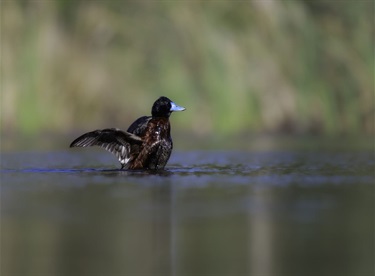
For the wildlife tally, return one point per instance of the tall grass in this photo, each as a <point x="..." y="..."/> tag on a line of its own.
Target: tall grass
<point x="238" y="66"/>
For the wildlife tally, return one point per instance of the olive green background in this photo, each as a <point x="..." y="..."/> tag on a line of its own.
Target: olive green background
<point x="239" y="67"/>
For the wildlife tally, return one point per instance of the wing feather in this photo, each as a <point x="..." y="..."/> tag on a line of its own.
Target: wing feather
<point x="138" y="127"/>
<point x="114" y="140"/>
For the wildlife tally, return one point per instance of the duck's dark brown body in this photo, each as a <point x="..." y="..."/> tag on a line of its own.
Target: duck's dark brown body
<point x="157" y="145"/>
<point x="147" y="144"/>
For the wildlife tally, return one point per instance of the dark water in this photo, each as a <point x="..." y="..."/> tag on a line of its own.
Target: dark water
<point x="210" y="213"/>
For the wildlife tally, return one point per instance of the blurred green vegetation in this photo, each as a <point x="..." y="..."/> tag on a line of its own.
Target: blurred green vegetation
<point x="299" y="67"/>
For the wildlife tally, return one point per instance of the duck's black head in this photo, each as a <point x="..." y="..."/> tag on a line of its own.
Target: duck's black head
<point x="163" y="107"/>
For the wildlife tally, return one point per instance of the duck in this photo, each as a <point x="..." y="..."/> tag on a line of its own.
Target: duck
<point x="146" y="145"/>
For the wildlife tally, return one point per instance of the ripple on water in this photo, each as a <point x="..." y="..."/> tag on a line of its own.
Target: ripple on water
<point x="199" y="168"/>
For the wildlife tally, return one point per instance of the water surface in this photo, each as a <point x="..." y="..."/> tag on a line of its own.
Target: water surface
<point x="209" y="213"/>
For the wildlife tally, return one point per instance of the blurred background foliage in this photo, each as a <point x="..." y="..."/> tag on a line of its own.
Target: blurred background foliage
<point x="239" y="67"/>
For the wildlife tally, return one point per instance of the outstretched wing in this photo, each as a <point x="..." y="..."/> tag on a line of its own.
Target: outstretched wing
<point x="114" y="140"/>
